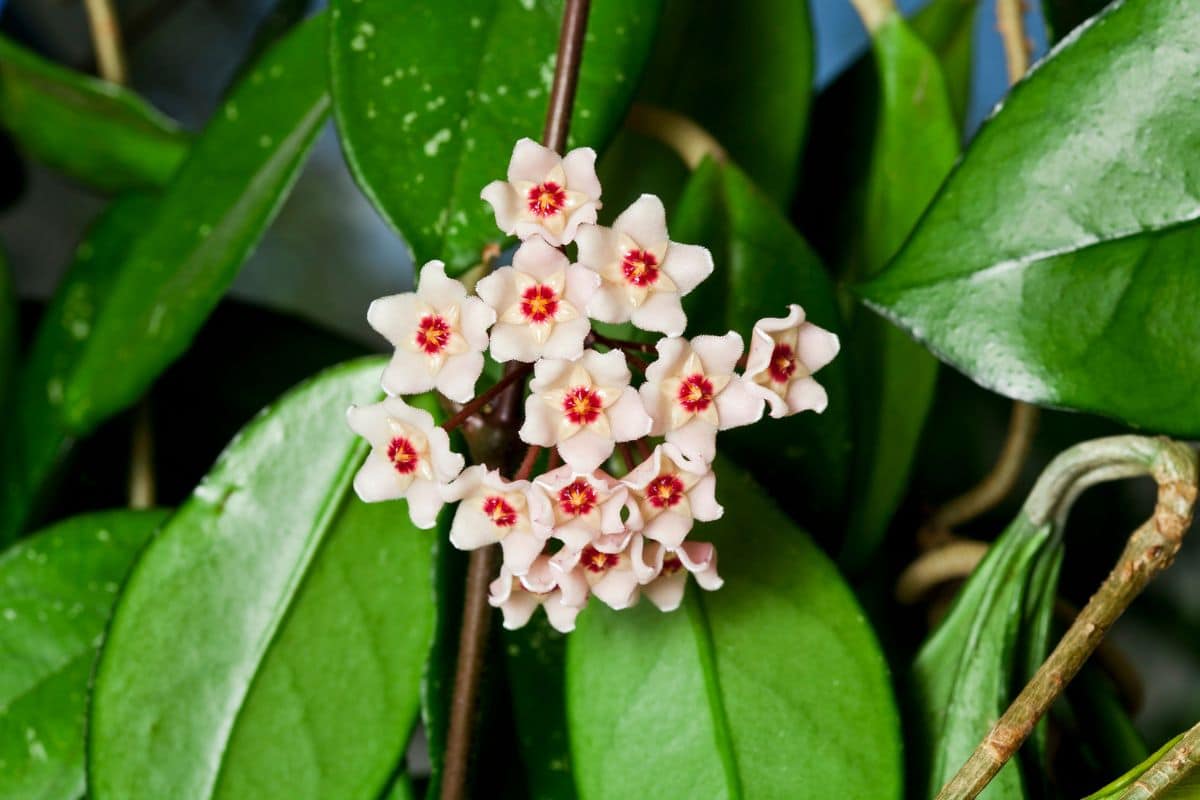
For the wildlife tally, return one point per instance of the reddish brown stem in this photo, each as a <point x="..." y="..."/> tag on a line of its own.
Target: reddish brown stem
<point x="643" y="448"/>
<point x="474" y="406"/>
<point x="622" y="344"/>
<point x="627" y="456"/>
<point x="527" y="463"/>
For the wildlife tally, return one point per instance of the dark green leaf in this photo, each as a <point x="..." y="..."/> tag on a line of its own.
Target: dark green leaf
<point x="270" y="641"/>
<point x="744" y="72"/>
<point x="1063" y="16"/>
<point x="762" y="264"/>
<point x="56" y="592"/>
<point x="1055" y="265"/>
<point x="102" y="134"/>
<point x="437" y="684"/>
<point x="536" y="664"/>
<point x="9" y="333"/>
<point x="948" y="28"/>
<point x="772" y="686"/>
<point x="431" y="97"/>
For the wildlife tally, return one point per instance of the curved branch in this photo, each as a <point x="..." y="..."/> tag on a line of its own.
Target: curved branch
<point x="689" y="141"/>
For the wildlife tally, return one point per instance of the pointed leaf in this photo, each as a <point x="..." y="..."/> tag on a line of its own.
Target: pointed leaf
<point x="56" y="591"/>
<point x="90" y="129"/>
<point x="772" y="686"/>
<point x="430" y="98"/>
<point x="1053" y="267"/>
<point x="270" y="641"/>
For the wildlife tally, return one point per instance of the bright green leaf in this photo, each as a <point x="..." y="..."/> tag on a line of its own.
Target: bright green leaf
<point x="100" y="133"/>
<point x="270" y="641"/>
<point x="56" y="592"/>
<point x="762" y="265"/>
<point x="772" y="686"/>
<point x="431" y="97"/>
<point x="1056" y="265"/>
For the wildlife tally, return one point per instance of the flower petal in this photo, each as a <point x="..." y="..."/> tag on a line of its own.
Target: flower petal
<point x="585" y="451"/>
<point x="505" y="203"/>
<point x="703" y="499"/>
<point x="540" y="427"/>
<point x="696" y="439"/>
<point x="719" y="354"/>
<point x="737" y="405"/>
<point x="817" y="346"/>
<point x="439" y="291"/>
<point x="610" y="304"/>
<point x="407" y="373"/>
<point x="458" y="376"/>
<point x="628" y="418"/>
<point x="580" y="167"/>
<point x="394" y="316"/>
<point x="476" y="317"/>
<point x="424" y="503"/>
<point x="566" y="341"/>
<point x="520" y="549"/>
<point x="560" y="614"/>
<point x="471" y="529"/>
<point x="670" y="527"/>
<point x="531" y="161"/>
<point x="645" y="221"/>
<point x="662" y="313"/>
<point x="618" y="589"/>
<point x="806" y="394"/>
<point x="607" y="369"/>
<point x="512" y="342"/>
<point x="688" y="265"/>
<point x="376" y="480"/>
<point x="666" y="592"/>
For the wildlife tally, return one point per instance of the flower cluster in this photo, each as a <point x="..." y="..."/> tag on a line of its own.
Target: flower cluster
<point x="584" y="526"/>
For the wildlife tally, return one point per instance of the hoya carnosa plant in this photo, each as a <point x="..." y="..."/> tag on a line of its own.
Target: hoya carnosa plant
<point x="626" y="444"/>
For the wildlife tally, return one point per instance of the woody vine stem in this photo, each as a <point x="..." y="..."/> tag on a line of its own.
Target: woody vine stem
<point x="472" y="645"/>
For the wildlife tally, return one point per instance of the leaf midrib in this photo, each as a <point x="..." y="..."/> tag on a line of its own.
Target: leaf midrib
<point x="697" y="614"/>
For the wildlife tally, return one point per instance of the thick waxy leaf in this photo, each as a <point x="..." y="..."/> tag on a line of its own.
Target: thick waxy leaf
<point x="762" y="265"/>
<point x="915" y="143"/>
<point x="772" y="686"/>
<point x="963" y="676"/>
<point x="56" y="592"/>
<point x="744" y="72"/>
<point x="1053" y="267"/>
<point x="948" y="28"/>
<point x="536" y="670"/>
<point x="151" y="272"/>
<point x="90" y="129"/>
<point x="270" y="641"/>
<point x="426" y="126"/>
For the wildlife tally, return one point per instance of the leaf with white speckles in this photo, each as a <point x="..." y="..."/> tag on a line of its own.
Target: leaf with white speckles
<point x="426" y="126"/>
<point x="56" y="592"/>
<point x="270" y="641"/>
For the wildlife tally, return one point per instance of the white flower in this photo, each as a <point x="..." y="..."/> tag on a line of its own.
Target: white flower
<point x="539" y="303"/>
<point x="691" y="393"/>
<point x="439" y="334"/>
<point x="546" y="194"/>
<point x="495" y="510"/>
<point x="583" y="407"/>
<point x="562" y="594"/>
<point x="668" y="493"/>
<point x="609" y="573"/>
<point x="663" y="572"/>
<point x="410" y="457"/>
<point x="784" y="353"/>
<point x="582" y="507"/>
<point x="644" y="274"/>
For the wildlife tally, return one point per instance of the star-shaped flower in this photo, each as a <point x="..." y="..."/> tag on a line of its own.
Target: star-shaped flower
<point x="663" y="572"/>
<point x="562" y="594"/>
<point x="583" y="407"/>
<point x="784" y="353"/>
<point x="539" y="302"/>
<point x="668" y="493"/>
<point x="439" y="333"/>
<point x="643" y="273"/>
<point x="582" y="506"/>
<point x="609" y="573"/>
<point x="410" y="457"/>
<point x="545" y="194"/>
<point x="692" y="392"/>
<point x="492" y="510"/>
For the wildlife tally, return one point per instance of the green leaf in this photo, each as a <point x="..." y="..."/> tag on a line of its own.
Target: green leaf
<point x="92" y="130"/>
<point x="437" y="684"/>
<point x="915" y="144"/>
<point x="744" y="72"/>
<point x="56" y="591"/>
<point x="948" y="28"/>
<point x="1186" y="789"/>
<point x="270" y="641"/>
<point x="762" y="265"/>
<point x="962" y="679"/>
<point x="1053" y="267"/>
<point x="431" y="97"/>
<point x="150" y="272"/>
<point x="1063" y="16"/>
<point x="9" y="331"/>
<point x="536" y="657"/>
<point x="773" y="686"/>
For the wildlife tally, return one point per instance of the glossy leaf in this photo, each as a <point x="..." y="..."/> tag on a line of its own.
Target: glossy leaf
<point x="1053" y="267"/>
<point x="762" y="264"/>
<point x="151" y="272"/>
<point x="744" y="72"/>
<point x="437" y="684"/>
<point x="772" y="686"/>
<point x="948" y="28"/>
<point x="962" y="679"/>
<point x="915" y="144"/>
<point x="100" y="133"/>
<point x="288" y="659"/>
<point x="56" y="592"/>
<point x="536" y="656"/>
<point x="426" y="126"/>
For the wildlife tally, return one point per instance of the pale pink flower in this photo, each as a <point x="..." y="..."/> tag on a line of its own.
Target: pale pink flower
<point x="784" y="353"/>
<point x="609" y="572"/>
<point x="643" y="273"/>
<point x="439" y="333"/>
<point x="663" y="572"/>
<point x="582" y="506"/>
<point x="410" y="457"/>
<point x="692" y="392"/>
<point x="492" y="509"/>
<point x="545" y="194"/>
<point x="583" y="407"/>
<point x="562" y="594"/>
<point x="539" y="303"/>
<point x="668" y="493"/>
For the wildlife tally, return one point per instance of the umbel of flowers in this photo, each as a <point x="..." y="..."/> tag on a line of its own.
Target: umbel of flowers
<point x="592" y="524"/>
